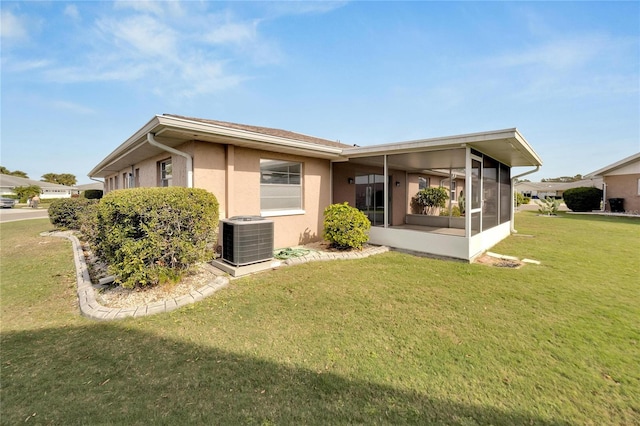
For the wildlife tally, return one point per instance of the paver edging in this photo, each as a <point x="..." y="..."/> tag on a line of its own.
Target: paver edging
<point x="91" y="308"/>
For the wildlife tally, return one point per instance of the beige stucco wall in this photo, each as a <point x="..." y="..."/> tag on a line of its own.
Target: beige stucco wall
<point x="434" y="182"/>
<point x="290" y="230"/>
<point x="232" y="174"/>
<point x="344" y="191"/>
<point x="624" y="186"/>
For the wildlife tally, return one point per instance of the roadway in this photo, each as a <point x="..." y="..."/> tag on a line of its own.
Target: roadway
<point x="22" y="213"/>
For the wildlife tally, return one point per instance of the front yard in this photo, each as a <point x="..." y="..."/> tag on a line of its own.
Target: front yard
<point x="388" y="339"/>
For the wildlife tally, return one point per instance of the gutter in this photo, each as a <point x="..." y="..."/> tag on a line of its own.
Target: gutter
<point x="152" y="141"/>
<point x="513" y="198"/>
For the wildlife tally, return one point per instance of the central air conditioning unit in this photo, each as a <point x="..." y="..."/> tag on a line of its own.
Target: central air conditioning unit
<point x="246" y="240"/>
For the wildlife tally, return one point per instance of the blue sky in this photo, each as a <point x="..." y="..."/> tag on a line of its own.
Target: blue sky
<point x="78" y="78"/>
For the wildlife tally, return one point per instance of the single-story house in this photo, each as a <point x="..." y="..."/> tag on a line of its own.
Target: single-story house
<point x="543" y="190"/>
<point x="291" y="178"/>
<point x="96" y="186"/>
<point x="48" y="190"/>
<point x="621" y="181"/>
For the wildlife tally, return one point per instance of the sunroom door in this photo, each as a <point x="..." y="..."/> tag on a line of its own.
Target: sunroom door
<point x="475" y="201"/>
<point x="370" y="197"/>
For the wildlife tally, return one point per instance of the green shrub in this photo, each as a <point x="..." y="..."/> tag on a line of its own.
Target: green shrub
<point x="93" y="194"/>
<point x="526" y="200"/>
<point x="519" y="199"/>
<point x="68" y="213"/>
<point x="345" y="226"/>
<point x="430" y="199"/>
<point x="149" y="236"/>
<point x="455" y="212"/>
<point x="583" y="199"/>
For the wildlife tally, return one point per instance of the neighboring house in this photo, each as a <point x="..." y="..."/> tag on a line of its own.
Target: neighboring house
<point x="621" y="181"/>
<point x="49" y="190"/>
<point x="543" y="190"/>
<point x="291" y="178"/>
<point x="87" y="186"/>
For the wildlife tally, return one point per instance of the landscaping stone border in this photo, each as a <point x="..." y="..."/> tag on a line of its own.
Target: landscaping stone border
<point x="90" y="308"/>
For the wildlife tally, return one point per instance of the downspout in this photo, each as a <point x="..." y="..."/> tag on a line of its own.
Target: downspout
<point x="154" y="142"/>
<point x="513" y="196"/>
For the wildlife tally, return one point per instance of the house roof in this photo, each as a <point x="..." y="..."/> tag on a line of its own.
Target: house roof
<point x="265" y="131"/>
<point x="507" y="146"/>
<point x="8" y="181"/>
<point x="173" y="130"/>
<point x="617" y="165"/>
<point x="88" y="186"/>
<point x="558" y="186"/>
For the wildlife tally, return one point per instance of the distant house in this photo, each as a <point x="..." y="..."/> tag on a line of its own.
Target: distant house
<point x="87" y="186"/>
<point x="291" y="178"/>
<point x="621" y="182"/>
<point x="49" y="190"/>
<point x="543" y="190"/>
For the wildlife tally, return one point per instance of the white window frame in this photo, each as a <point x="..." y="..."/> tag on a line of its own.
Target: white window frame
<point x="293" y="180"/>
<point x="163" y="176"/>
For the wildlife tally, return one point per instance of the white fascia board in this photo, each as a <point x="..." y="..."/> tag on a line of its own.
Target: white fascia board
<point x="616" y="165"/>
<point x="246" y="135"/>
<point x="434" y="143"/>
<point x="536" y="160"/>
<point x="516" y="140"/>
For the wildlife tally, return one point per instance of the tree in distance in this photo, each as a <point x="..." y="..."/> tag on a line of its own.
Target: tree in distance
<point x="60" y="178"/>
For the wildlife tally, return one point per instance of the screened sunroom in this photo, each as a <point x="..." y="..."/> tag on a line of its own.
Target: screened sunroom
<point x="474" y="170"/>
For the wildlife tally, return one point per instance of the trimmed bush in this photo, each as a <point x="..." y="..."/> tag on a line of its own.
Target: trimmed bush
<point x="345" y="227"/>
<point x="455" y="212"/>
<point x="583" y="199"/>
<point x="93" y="194"/>
<point x="150" y="236"/>
<point x="68" y="213"/>
<point x="429" y="200"/>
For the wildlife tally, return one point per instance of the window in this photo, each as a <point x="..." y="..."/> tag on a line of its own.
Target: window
<point x="166" y="172"/>
<point x="638" y="186"/>
<point x="136" y="179"/>
<point x="423" y="182"/>
<point x="280" y="185"/>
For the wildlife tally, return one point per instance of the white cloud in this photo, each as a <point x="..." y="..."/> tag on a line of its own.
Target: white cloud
<point x="147" y="35"/>
<point x="11" y="64"/>
<point x="282" y="8"/>
<point x="71" y="10"/>
<point x="560" y="55"/>
<point x="72" y="107"/>
<point x="13" y="27"/>
<point x="168" y="48"/>
<point x="232" y="32"/>
<point x="146" y="6"/>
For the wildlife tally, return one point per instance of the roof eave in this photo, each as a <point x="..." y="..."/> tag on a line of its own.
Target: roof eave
<point x="611" y="167"/>
<point x="194" y="130"/>
<point x="474" y="140"/>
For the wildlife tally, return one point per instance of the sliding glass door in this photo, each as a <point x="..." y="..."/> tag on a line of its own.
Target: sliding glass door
<point x="370" y="197"/>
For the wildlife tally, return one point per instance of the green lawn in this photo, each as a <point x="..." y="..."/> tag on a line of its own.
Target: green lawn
<point x="390" y="339"/>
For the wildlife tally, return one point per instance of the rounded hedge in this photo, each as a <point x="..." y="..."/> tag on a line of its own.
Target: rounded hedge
<point x="149" y="236"/>
<point x="345" y="227"/>
<point x="68" y="213"/>
<point x="583" y="199"/>
<point x="93" y="194"/>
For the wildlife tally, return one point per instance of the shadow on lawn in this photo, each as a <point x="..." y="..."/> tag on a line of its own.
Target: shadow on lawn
<point x="106" y="373"/>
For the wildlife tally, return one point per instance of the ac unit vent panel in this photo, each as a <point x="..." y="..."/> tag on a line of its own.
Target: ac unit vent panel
<point x="246" y="240"/>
